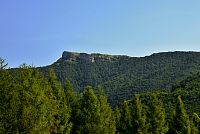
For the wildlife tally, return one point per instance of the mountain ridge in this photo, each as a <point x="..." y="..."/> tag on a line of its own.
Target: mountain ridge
<point x="73" y="56"/>
<point x="123" y="76"/>
<point x="92" y="57"/>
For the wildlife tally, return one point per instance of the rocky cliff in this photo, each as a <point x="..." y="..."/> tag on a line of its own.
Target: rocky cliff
<point x="73" y="56"/>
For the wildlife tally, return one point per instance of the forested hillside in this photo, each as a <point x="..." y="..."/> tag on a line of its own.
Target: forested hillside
<point x="188" y="89"/>
<point x="32" y="103"/>
<point x="123" y="76"/>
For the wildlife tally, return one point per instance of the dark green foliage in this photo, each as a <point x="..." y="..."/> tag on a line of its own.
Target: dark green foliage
<point x="30" y="103"/>
<point x="33" y="104"/>
<point x="195" y="124"/>
<point x="62" y="110"/>
<point x="117" y="115"/>
<point x="189" y="89"/>
<point x="25" y="107"/>
<point x="71" y="102"/>
<point x="122" y="76"/>
<point x="8" y="103"/>
<point x="93" y="114"/>
<point x="70" y="95"/>
<point x="180" y="122"/>
<point x="156" y="116"/>
<point x="125" y="119"/>
<point x="106" y="119"/>
<point x="88" y="113"/>
<point x="139" y="123"/>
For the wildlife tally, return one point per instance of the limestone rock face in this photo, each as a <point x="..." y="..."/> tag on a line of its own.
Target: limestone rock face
<point x="72" y="56"/>
<point x="94" y="57"/>
<point x="69" y="56"/>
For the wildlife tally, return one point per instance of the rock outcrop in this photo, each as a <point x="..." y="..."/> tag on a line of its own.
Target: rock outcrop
<point x="94" y="57"/>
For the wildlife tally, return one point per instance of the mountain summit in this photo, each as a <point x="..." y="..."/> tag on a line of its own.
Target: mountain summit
<point x="74" y="56"/>
<point x="122" y="76"/>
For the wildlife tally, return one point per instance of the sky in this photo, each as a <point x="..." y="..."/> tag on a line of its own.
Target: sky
<point x="38" y="31"/>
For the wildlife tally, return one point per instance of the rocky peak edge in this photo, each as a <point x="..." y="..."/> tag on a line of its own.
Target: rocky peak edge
<point x="74" y="56"/>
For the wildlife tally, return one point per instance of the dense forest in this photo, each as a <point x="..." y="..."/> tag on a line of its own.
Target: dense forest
<point x="122" y="76"/>
<point x="31" y="102"/>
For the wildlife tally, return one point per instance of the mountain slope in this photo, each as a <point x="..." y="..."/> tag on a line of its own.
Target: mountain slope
<point x="188" y="89"/>
<point x="122" y="76"/>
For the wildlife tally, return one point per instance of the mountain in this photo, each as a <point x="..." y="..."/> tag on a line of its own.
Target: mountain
<point x="123" y="76"/>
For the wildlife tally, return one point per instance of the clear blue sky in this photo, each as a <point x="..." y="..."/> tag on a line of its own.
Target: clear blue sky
<point x="38" y="31"/>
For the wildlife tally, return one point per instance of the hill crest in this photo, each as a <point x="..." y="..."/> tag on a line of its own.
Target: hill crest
<point x="96" y="57"/>
<point x="75" y="56"/>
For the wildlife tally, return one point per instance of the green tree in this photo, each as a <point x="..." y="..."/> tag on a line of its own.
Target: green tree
<point x="62" y="111"/>
<point x="70" y="95"/>
<point x="71" y="102"/>
<point x="29" y="105"/>
<point x="117" y="119"/>
<point x="9" y="103"/>
<point x="180" y="122"/>
<point x="156" y="116"/>
<point x="138" y="117"/>
<point x="88" y="112"/>
<point x="33" y="104"/>
<point x="195" y="124"/>
<point x="125" y="120"/>
<point x="106" y="119"/>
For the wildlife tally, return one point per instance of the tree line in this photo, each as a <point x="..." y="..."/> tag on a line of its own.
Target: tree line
<point x="31" y="103"/>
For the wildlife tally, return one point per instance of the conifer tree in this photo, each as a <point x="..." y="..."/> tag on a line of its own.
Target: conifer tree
<point x="88" y="112"/>
<point x="125" y="120"/>
<point x="138" y="117"/>
<point x="156" y="116"/>
<point x="71" y="102"/>
<point x="62" y="111"/>
<point x="180" y="122"/>
<point x="117" y="119"/>
<point x="70" y="95"/>
<point x="8" y="103"/>
<point x="33" y="104"/>
<point x="106" y="119"/>
<point x="195" y="124"/>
